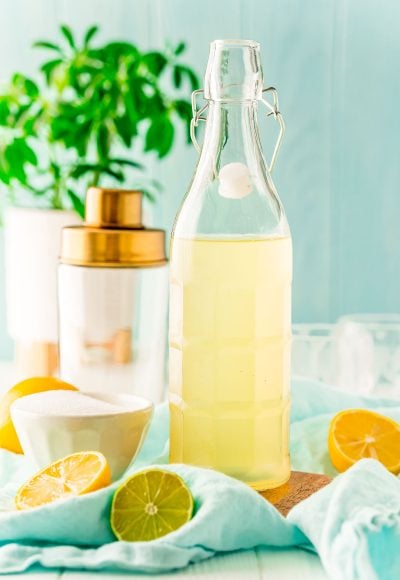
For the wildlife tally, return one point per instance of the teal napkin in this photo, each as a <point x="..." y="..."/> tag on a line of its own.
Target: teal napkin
<point x="354" y="523"/>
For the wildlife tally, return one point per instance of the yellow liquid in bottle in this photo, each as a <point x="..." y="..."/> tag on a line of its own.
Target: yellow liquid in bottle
<point x="230" y="330"/>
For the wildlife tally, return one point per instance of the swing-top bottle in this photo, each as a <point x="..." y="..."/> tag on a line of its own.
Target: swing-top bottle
<point x="231" y="272"/>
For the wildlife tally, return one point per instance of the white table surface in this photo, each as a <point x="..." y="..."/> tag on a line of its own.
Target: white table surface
<point x="257" y="564"/>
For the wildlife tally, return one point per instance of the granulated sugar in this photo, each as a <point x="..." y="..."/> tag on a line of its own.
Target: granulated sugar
<point x="71" y="403"/>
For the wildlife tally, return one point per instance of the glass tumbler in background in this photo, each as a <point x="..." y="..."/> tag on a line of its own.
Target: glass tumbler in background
<point x="314" y="352"/>
<point x="368" y="354"/>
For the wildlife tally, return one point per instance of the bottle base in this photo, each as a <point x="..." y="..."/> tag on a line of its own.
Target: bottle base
<point x="269" y="484"/>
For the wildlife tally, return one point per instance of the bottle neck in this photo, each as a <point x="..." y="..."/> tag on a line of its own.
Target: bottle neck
<point x="231" y="193"/>
<point x="232" y="136"/>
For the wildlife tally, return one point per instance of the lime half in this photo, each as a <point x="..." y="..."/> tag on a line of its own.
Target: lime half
<point x="150" y="504"/>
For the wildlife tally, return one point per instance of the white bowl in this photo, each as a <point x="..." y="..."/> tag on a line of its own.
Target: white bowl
<point x="46" y="436"/>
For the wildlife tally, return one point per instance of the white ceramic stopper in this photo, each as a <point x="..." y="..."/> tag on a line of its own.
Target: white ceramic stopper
<point x="234" y="181"/>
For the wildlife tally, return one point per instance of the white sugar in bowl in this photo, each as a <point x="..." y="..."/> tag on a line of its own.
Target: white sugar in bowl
<point x="53" y="424"/>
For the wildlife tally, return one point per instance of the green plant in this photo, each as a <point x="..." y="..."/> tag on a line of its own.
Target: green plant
<point x="75" y="125"/>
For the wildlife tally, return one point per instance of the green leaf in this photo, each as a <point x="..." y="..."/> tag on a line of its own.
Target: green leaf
<point x="118" y="175"/>
<point x="184" y="111"/>
<point x="37" y="192"/>
<point x="77" y="203"/>
<point x="122" y="125"/>
<point x="29" y="154"/>
<point x="156" y="184"/>
<point x="180" y="48"/>
<point x="148" y="194"/>
<point x="67" y="32"/>
<point x="48" y="45"/>
<point x="155" y="62"/>
<point x="4" y="170"/>
<point x="134" y="99"/>
<point x="70" y="132"/>
<point x="191" y="76"/>
<point x="156" y="106"/>
<point x="13" y="155"/>
<point x="90" y="33"/>
<point x="48" y="68"/>
<point x="17" y="80"/>
<point x="120" y="48"/>
<point x="177" y="73"/>
<point x="25" y="85"/>
<point x="103" y="142"/>
<point x="129" y="162"/>
<point x="4" y="177"/>
<point x="20" y="112"/>
<point x="29" y="127"/>
<point x="160" y="136"/>
<point x="56" y="169"/>
<point x="31" y="88"/>
<point x="183" y="108"/>
<point x="4" y="111"/>
<point x="62" y="125"/>
<point x="81" y="139"/>
<point x="85" y="168"/>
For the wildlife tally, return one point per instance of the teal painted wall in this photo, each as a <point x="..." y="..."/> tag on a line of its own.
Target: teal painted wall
<point x="335" y="63"/>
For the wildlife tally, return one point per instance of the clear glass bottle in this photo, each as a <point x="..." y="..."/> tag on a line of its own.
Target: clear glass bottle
<point x="113" y="298"/>
<point x="230" y="285"/>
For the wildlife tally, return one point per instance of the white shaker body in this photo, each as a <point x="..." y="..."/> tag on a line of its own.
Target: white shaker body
<point x="113" y="329"/>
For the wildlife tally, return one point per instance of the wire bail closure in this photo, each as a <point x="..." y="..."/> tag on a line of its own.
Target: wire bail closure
<point x="198" y="116"/>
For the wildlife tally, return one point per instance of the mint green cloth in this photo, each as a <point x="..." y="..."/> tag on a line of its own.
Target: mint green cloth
<point x="353" y="523"/>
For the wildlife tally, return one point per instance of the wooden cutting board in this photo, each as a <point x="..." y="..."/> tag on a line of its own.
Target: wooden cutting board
<point x="300" y="486"/>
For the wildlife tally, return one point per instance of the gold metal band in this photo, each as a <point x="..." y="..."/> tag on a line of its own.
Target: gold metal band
<point x="84" y="246"/>
<point x="113" y="235"/>
<point x="113" y="208"/>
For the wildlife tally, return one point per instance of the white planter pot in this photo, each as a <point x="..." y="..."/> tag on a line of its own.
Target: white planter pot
<point x="32" y="245"/>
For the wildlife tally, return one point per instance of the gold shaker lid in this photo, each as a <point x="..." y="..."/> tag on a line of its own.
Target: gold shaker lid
<point x="113" y="235"/>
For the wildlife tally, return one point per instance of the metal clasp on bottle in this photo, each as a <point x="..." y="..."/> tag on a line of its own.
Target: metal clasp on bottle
<point x="197" y="116"/>
<point x="273" y="108"/>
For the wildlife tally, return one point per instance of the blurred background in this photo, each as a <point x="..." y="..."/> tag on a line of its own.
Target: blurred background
<point x="334" y="63"/>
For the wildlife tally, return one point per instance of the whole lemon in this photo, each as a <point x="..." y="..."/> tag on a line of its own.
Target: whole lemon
<point x="8" y="436"/>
